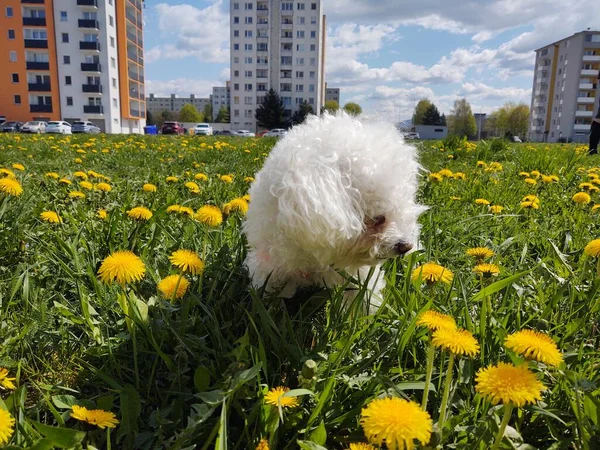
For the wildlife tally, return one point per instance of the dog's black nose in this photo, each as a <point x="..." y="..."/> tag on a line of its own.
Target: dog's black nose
<point x="402" y="247"/>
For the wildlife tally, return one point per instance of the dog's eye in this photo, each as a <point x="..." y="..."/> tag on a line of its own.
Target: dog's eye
<point x="378" y="221"/>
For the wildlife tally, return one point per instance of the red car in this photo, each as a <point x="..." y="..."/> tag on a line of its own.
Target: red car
<point x="172" y="128"/>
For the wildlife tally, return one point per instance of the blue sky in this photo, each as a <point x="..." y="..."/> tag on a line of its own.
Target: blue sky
<point x="383" y="54"/>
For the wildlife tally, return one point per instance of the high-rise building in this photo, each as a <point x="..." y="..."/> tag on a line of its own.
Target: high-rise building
<point x="221" y="96"/>
<point x="174" y="104"/>
<point x="275" y="44"/>
<point x="73" y="60"/>
<point x="566" y="90"/>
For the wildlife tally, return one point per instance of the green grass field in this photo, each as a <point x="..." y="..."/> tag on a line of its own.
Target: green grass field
<point x="195" y="371"/>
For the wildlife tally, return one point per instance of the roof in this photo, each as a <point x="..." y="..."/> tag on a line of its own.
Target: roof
<point x="568" y="37"/>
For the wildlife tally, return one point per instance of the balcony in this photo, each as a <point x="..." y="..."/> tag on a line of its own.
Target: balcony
<point x="538" y="115"/>
<point x="93" y="109"/>
<point x="39" y="87"/>
<point x="88" y="3"/>
<point x="84" y="45"/>
<point x="584" y="113"/>
<point x="36" y="43"/>
<point x="90" y="67"/>
<point x="40" y="108"/>
<point x="587" y="72"/>
<point x="585" y="100"/>
<point x="35" y="2"/>
<point x="34" y="65"/>
<point x="586" y="86"/>
<point x="34" y="21"/>
<point x="591" y="58"/>
<point x="88" y="23"/>
<point x="582" y="127"/>
<point x="537" y="128"/>
<point x="97" y="88"/>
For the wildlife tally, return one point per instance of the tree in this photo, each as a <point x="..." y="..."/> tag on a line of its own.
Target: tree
<point x="208" y="112"/>
<point x="149" y="118"/>
<point x="189" y="113"/>
<point x="420" y="109"/>
<point x="222" y="115"/>
<point x="462" y="122"/>
<point x="509" y="120"/>
<point x="432" y="116"/>
<point x="353" y="109"/>
<point x="302" y="113"/>
<point x="331" y="106"/>
<point x="165" y="116"/>
<point x="270" y="113"/>
<point x="443" y="120"/>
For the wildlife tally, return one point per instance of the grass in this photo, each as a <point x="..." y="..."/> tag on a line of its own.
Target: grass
<point x="193" y="373"/>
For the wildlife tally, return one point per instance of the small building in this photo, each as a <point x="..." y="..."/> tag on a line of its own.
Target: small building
<point x="432" y="131"/>
<point x="332" y="94"/>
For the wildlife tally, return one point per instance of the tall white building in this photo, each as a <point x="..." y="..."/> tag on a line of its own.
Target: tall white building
<point x="275" y="44"/>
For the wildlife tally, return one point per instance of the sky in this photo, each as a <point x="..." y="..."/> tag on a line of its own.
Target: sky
<point x="383" y="54"/>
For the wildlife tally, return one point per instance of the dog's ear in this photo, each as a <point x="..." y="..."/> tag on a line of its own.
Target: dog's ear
<point x="317" y="205"/>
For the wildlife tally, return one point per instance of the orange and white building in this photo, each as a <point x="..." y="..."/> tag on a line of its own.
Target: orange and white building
<point x="73" y="60"/>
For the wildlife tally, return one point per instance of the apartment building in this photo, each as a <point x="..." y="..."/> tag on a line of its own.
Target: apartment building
<point x="332" y="94"/>
<point x="566" y="90"/>
<point x="73" y="60"/>
<point x="174" y="104"/>
<point x="275" y="44"/>
<point x="221" y="96"/>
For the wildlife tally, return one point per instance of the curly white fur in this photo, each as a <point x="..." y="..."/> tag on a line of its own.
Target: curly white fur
<point x="334" y="194"/>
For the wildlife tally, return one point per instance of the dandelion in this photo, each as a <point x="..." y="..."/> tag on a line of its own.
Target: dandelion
<point x="226" y="178"/>
<point x="530" y="181"/>
<point x="395" y="422"/>
<point x="535" y="173"/>
<point x="5" y="381"/>
<point x="432" y="273"/>
<point x="7" y="426"/>
<point x="482" y="201"/>
<point x="171" y="179"/>
<point x="481" y="164"/>
<point x="102" y="213"/>
<point x="435" y="177"/>
<point x="534" y="345"/>
<point x="86" y="185"/>
<point x="139" y="213"/>
<point x="64" y="181"/>
<point x="99" y="417"/>
<point x="201" y="177"/>
<point x="104" y="187"/>
<point x="592" y="248"/>
<point x="276" y="397"/>
<point x="10" y="186"/>
<point x="249" y="179"/>
<point x="174" y="208"/>
<point x="486" y="270"/>
<point x="187" y="261"/>
<point x="149" y="187"/>
<point x="480" y="253"/>
<point x="7" y="172"/>
<point x="554" y="178"/>
<point x="530" y="202"/>
<point x="459" y="176"/>
<point x="173" y="286"/>
<point x="361" y="446"/>
<point x="595" y="207"/>
<point x="456" y="341"/>
<point x="76" y="194"/>
<point x="496" y="209"/>
<point x="524" y="174"/>
<point x="262" y="445"/>
<point x="53" y="175"/>
<point x="435" y="320"/>
<point x="209" y="215"/>
<point x="455" y="198"/>
<point x="192" y="187"/>
<point x="122" y="266"/>
<point x="582" y="198"/>
<point x="237" y="204"/>
<point x="18" y="166"/>
<point x="81" y="175"/>
<point x="586" y="186"/>
<point x="50" y="217"/>
<point x="446" y="173"/>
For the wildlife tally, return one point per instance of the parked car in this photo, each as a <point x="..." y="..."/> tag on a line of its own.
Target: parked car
<point x="276" y="132"/>
<point x="85" y="127"/>
<point x="411" y="136"/>
<point x="172" y="128"/>
<point x="34" y="127"/>
<point x="59" y="127"/>
<point x="11" y="127"/>
<point x="222" y="133"/>
<point x="203" y="129"/>
<point x="243" y="133"/>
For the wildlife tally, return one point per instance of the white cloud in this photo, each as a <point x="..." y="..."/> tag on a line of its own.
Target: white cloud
<point x="181" y="86"/>
<point x="477" y="92"/>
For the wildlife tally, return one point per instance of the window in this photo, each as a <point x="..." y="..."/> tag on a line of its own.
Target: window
<point x="13" y="56"/>
<point x="262" y="47"/>
<point x="63" y="16"/>
<point x="312" y="74"/>
<point x="247" y="100"/>
<point x="287" y="6"/>
<point x="236" y="20"/>
<point x="17" y="99"/>
<point x="311" y="88"/>
<point x="236" y="100"/>
<point x="112" y="42"/>
<point x="300" y="34"/>
<point x="592" y="38"/>
<point x="236" y="112"/>
<point x="299" y="47"/>
<point x="65" y="37"/>
<point x="68" y="80"/>
<point x="236" y="73"/>
<point x="15" y="77"/>
<point x="313" y="47"/>
<point x="9" y="13"/>
<point x="299" y="88"/>
<point x="236" y="6"/>
<point x="300" y="21"/>
<point x="313" y="61"/>
<point x="236" y="33"/>
<point x="248" y="47"/>
<point x="113" y="63"/>
<point x="299" y="74"/>
<point x="313" y="6"/>
<point x="236" y="59"/>
<point x="66" y="59"/>
<point x="11" y="34"/>
<point x="236" y="87"/>
<point x="262" y="60"/>
<point x="311" y="101"/>
<point x="299" y="61"/>
<point x="236" y="47"/>
<point x="248" y="33"/>
<point x="248" y="6"/>
<point x="248" y="73"/>
<point x="248" y="87"/>
<point x="115" y="103"/>
<point x="111" y="21"/>
<point x="248" y="60"/>
<point x="313" y="20"/>
<point x="69" y="101"/>
<point x="248" y="20"/>
<point x="313" y="34"/>
<point x="300" y="6"/>
<point x="248" y="113"/>
<point x="36" y="33"/>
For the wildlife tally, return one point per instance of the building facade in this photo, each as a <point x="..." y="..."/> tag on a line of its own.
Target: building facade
<point x="566" y="90"/>
<point x="221" y="96"/>
<point x="156" y="105"/>
<point x="275" y="44"/>
<point x="73" y="60"/>
<point x="332" y="94"/>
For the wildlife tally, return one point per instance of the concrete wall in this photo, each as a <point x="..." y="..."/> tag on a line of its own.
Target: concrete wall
<point x="431" y="131"/>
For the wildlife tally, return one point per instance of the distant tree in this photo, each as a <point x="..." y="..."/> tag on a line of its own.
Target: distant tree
<point x="462" y="122"/>
<point x="443" y="120"/>
<point x="509" y="120"/>
<point x="331" y="106"/>
<point x="352" y="108"/>
<point x="302" y="113"/>
<point x="270" y="113"/>
<point x="149" y="118"/>
<point x="432" y="116"/>
<point x="222" y="115"/>
<point x="208" y="112"/>
<point x="420" y="109"/>
<point x="189" y="113"/>
<point x="165" y="116"/>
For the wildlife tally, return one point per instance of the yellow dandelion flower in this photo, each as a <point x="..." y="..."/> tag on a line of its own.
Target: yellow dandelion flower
<point x="535" y="173"/>
<point x="104" y="187"/>
<point x="586" y="186"/>
<point x="193" y="187"/>
<point x="554" y="178"/>
<point x="249" y="179"/>
<point x="276" y="397"/>
<point x="435" y="320"/>
<point x="81" y="175"/>
<point x="595" y="207"/>
<point x="482" y="201"/>
<point x="99" y="417"/>
<point x="64" y="181"/>
<point x="530" y="181"/>
<point x="263" y="445"/>
<point x="86" y="185"/>
<point x="7" y="172"/>
<point x="524" y="174"/>
<point x="534" y="345"/>
<point x="50" y="216"/>
<point x="486" y="270"/>
<point x="102" y="213"/>
<point x="172" y="179"/>
<point x="481" y="164"/>
<point x="7" y="426"/>
<point x="457" y="341"/>
<point x="173" y="286"/>
<point x="446" y="173"/>
<point x="122" y="266"/>
<point x="237" y="204"/>
<point x="361" y="446"/>
<point x="76" y="194"/>
<point x="480" y="253"/>
<point x="18" y="166"/>
<point x="5" y="381"/>
<point x="459" y="175"/>
<point x="246" y="197"/>
<point x="187" y="261"/>
<point x="78" y="160"/>
<point x="454" y="198"/>
<point x="226" y="178"/>
<point x="509" y="384"/>
<point x="149" y="187"/>
<point x="395" y="422"/>
<point x="201" y="177"/>
<point x="583" y="198"/>
<point x="435" y="177"/>
<point x="53" y="175"/>
<point x="209" y="215"/>
<point x="10" y="186"/>
<point x="496" y="209"/>
<point x="139" y="213"/>
<point x="432" y="273"/>
<point x="592" y="248"/>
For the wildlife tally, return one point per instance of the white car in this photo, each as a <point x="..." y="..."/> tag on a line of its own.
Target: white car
<point x="203" y="129"/>
<point x="243" y="133"/>
<point x="34" y="127"/>
<point x="411" y="136"/>
<point x="59" y="127"/>
<point x="276" y="132"/>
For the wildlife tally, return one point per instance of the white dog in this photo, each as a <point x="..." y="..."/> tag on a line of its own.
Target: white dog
<point x="334" y="194"/>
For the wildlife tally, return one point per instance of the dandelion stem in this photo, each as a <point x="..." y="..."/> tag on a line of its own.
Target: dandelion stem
<point x="507" y="412"/>
<point x="446" y="394"/>
<point x="430" y="357"/>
